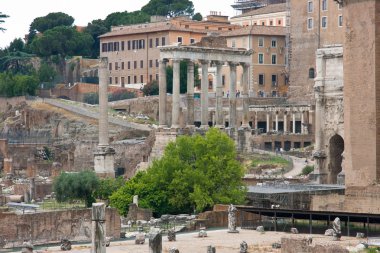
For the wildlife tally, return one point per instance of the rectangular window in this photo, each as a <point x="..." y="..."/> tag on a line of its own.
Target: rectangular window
<point x="310" y="23"/>
<point x="179" y="39"/>
<point x="274" y="59"/>
<point x="116" y="46"/>
<point x="340" y="20"/>
<point x="157" y="77"/>
<point x="129" y="65"/>
<point x="134" y="79"/>
<point x="157" y="42"/>
<point x="122" y="81"/>
<point x="150" y="43"/>
<point x="271" y="22"/>
<point x="129" y="45"/>
<point x="141" y="79"/>
<point x="263" y="23"/>
<point x="261" y="58"/>
<point x="233" y="43"/>
<point x="150" y="63"/>
<point x="133" y="44"/>
<point x="274" y="80"/>
<point x="129" y="79"/>
<point x="150" y="78"/>
<point x="274" y="42"/>
<point x="110" y="80"/>
<point x="192" y="41"/>
<point x="110" y="66"/>
<point x="324" y="5"/>
<point x="141" y="44"/>
<point x="310" y="6"/>
<point x="324" y="22"/>
<point x="261" y="42"/>
<point x="116" y="65"/>
<point x="279" y="22"/>
<point x="122" y="46"/>
<point x="135" y="64"/>
<point x="163" y="41"/>
<point x="223" y="80"/>
<point x="122" y="65"/>
<point x="261" y="79"/>
<point x="110" y="46"/>
<point x="104" y="47"/>
<point x="156" y="63"/>
<point x="116" y="80"/>
<point x="141" y="64"/>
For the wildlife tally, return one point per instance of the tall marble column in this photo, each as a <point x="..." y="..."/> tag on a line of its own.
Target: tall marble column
<point x="204" y="95"/>
<point x="162" y="93"/>
<point x="245" y="79"/>
<point x="232" y="100"/>
<point x="190" y="94"/>
<point x="176" y="96"/>
<point x="302" y="123"/>
<point x="285" y="123"/>
<point x="104" y="155"/>
<point x="219" y="96"/>
<point x="256" y="120"/>
<point x="268" y="125"/>
<point x="294" y="122"/>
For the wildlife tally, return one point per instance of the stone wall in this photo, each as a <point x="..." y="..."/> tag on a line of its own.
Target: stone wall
<point x="5" y="103"/>
<point x="47" y="227"/>
<point x="41" y="189"/>
<point x="136" y="213"/>
<point x="298" y="245"/>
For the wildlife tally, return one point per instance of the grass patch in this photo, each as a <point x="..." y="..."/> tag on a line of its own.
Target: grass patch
<point x="265" y="160"/>
<point x="307" y="170"/>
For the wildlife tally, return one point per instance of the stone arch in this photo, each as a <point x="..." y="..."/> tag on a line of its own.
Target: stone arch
<point x="336" y="148"/>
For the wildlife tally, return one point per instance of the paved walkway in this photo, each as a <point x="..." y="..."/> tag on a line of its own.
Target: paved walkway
<point x="92" y="112"/>
<point x="223" y="242"/>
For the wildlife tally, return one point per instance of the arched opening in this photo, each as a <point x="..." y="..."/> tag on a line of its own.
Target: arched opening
<point x="336" y="145"/>
<point x="311" y="73"/>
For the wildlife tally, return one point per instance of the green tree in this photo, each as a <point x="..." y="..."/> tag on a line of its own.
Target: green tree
<point x="2" y="17"/>
<point x="107" y="187"/>
<point x="46" y="73"/>
<point x="91" y="98"/>
<point x="195" y="173"/>
<point x="126" y="18"/>
<point x="151" y="88"/>
<point x="182" y="77"/>
<point x="16" y="45"/>
<point x="95" y="29"/>
<point x="197" y="16"/>
<point x="171" y="8"/>
<point x="51" y="20"/>
<point x="16" y="62"/>
<point x="76" y="186"/>
<point x="17" y="85"/>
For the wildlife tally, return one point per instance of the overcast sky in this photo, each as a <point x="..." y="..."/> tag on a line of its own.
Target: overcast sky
<point x="23" y="12"/>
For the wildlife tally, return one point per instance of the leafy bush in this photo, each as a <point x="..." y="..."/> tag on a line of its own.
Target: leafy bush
<point x="91" y="98"/>
<point x="307" y="170"/>
<point x="151" y="89"/>
<point x="120" y="95"/>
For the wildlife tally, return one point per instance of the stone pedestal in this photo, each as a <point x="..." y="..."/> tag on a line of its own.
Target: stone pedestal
<point x="104" y="160"/>
<point x="155" y="243"/>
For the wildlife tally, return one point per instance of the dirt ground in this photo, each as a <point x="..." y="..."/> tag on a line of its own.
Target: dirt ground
<point x="223" y="242"/>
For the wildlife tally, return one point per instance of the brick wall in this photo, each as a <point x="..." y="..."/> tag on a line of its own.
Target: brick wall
<point x="51" y="226"/>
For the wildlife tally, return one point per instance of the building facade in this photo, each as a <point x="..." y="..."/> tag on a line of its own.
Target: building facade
<point x="313" y="24"/>
<point x="132" y="51"/>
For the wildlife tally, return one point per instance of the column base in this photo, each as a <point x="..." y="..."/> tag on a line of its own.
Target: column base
<point x="104" y="161"/>
<point x="245" y="127"/>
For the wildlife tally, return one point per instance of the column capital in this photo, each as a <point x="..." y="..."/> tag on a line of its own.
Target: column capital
<point x="245" y="64"/>
<point x="218" y="63"/>
<point x="163" y="61"/>
<point x="233" y="64"/>
<point x="176" y="60"/>
<point x="203" y="62"/>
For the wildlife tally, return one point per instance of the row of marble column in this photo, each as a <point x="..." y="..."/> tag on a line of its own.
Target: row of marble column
<point x="204" y="94"/>
<point x="285" y="120"/>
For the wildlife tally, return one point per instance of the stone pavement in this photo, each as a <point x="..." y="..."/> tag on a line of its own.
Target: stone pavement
<point x="224" y="242"/>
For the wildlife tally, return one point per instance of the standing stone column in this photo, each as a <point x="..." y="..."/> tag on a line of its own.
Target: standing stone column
<point x="176" y="97"/>
<point x="285" y="122"/>
<point x="256" y="120"/>
<point x="276" y="122"/>
<point x="190" y="94"/>
<point x="245" y="80"/>
<point x="294" y="122"/>
<point x="268" y="129"/>
<point x="155" y="243"/>
<point x="32" y="188"/>
<point x="204" y="95"/>
<point x="104" y="155"/>
<point x="98" y="236"/>
<point x="232" y="120"/>
<point x="103" y="102"/>
<point x="162" y="93"/>
<point x="219" y="96"/>
<point x="302" y="123"/>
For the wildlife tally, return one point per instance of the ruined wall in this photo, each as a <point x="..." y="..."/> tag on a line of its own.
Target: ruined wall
<point x="136" y="213"/>
<point x="298" y="245"/>
<point x="52" y="226"/>
<point x="361" y="92"/>
<point x="5" y="103"/>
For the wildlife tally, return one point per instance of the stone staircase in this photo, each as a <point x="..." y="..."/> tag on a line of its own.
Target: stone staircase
<point x="162" y="140"/>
